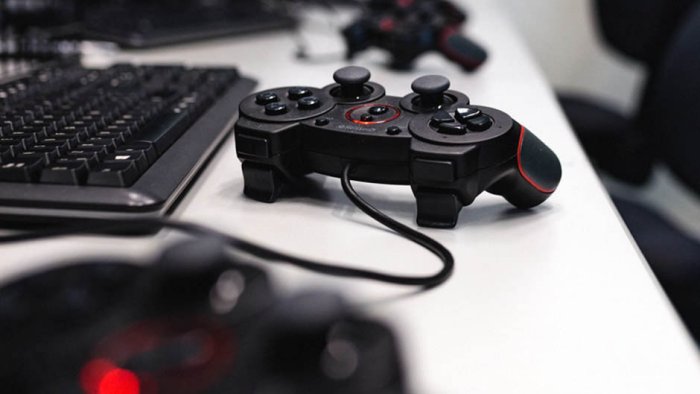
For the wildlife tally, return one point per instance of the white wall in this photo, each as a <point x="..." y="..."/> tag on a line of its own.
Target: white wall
<point x="562" y="35"/>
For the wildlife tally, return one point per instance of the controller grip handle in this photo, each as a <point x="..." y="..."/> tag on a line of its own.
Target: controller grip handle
<point x="461" y="50"/>
<point x="535" y="175"/>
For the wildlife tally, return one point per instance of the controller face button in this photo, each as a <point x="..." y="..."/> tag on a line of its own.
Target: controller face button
<point x="298" y="92"/>
<point x="393" y="130"/>
<point x="275" y="109"/>
<point x="442" y="117"/>
<point x="452" y="128"/>
<point x="322" y="122"/>
<point x="464" y="114"/>
<point x="266" y="98"/>
<point x="310" y="102"/>
<point x="366" y="118"/>
<point x="479" y="123"/>
<point x="378" y="110"/>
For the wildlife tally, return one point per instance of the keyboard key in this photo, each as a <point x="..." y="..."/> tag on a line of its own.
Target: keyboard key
<point x="67" y="172"/>
<point x="145" y="147"/>
<point x="46" y="156"/>
<point x="138" y="158"/>
<point x="164" y="131"/>
<point x="21" y="170"/>
<point x="114" y="174"/>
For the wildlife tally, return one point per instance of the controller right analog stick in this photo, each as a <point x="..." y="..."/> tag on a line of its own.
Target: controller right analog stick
<point x="430" y="90"/>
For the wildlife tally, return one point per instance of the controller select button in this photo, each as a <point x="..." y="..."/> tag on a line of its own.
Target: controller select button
<point x="480" y="123"/>
<point x="322" y="122"/>
<point x="424" y="170"/>
<point x="393" y="130"/>
<point x="464" y="114"/>
<point x="275" y="109"/>
<point x="298" y="92"/>
<point x="452" y="128"/>
<point x="310" y="102"/>
<point x="266" y="98"/>
<point x="378" y="110"/>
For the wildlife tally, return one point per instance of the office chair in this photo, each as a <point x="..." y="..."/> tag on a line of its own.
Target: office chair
<point x="641" y="30"/>
<point x="672" y="104"/>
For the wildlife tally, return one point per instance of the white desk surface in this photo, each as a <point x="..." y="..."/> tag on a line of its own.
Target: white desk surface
<point x="555" y="300"/>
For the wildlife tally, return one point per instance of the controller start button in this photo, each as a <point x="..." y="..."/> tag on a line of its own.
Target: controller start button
<point x="372" y="114"/>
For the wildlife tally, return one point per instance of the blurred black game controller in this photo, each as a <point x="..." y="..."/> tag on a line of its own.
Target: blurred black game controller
<point x="195" y="321"/>
<point x="409" y="28"/>
<point x="448" y="150"/>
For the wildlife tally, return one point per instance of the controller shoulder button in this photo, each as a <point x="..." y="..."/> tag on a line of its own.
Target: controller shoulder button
<point x="252" y="145"/>
<point x="427" y="170"/>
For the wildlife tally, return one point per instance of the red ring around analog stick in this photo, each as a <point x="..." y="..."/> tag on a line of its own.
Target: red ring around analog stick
<point x="350" y="112"/>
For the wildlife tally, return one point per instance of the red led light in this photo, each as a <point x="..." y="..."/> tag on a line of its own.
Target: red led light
<point x="119" y="381"/>
<point x="101" y="376"/>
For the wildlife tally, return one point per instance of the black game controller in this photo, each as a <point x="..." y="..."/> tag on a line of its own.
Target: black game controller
<point x="409" y="28"/>
<point x="448" y="150"/>
<point x="196" y="321"/>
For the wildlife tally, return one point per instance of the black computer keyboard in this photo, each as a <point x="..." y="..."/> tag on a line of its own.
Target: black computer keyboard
<point x="141" y="24"/>
<point x="109" y="143"/>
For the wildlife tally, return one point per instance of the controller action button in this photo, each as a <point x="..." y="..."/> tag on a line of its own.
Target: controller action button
<point x="393" y="130"/>
<point x="298" y="92"/>
<point x="378" y="110"/>
<point x="442" y="117"/>
<point x="366" y="118"/>
<point x="480" y="123"/>
<point x="464" y="114"/>
<point x="266" y="98"/>
<point x="310" y="102"/>
<point x="322" y="122"/>
<point x="452" y="128"/>
<point x="275" y="109"/>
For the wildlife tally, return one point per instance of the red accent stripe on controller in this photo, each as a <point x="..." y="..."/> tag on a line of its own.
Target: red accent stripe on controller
<point x="522" y="171"/>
